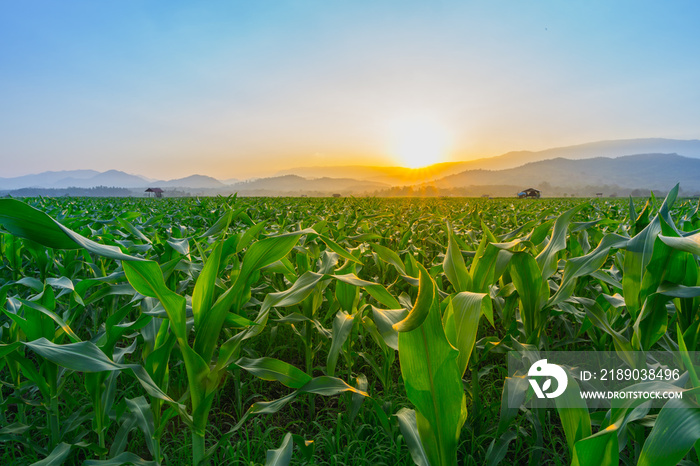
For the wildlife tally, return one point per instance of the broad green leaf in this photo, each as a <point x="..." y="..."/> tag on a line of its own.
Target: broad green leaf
<point x="357" y="399"/>
<point x="87" y="357"/>
<point x="685" y="357"/>
<point x="294" y="295"/>
<point x="55" y="317"/>
<point x="689" y="243"/>
<point x="513" y="396"/>
<point x="390" y="257"/>
<point x="468" y="309"/>
<point x="432" y="379"/>
<point x="143" y="415"/>
<point x="426" y="296"/>
<point x="324" y="385"/>
<point x="573" y="413"/>
<point x="274" y="369"/>
<point x="600" y="449"/>
<point x="249" y="236"/>
<point x="409" y="430"/>
<point x="342" y="326"/>
<point x="25" y="221"/>
<point x="269" y="250"/>
<point x="223" y="222"/>
<point x="181" y="245"/>
<point x="675" y="431"/>
<point x="258" y="255"/>
<point x="57" y="457"/>
<point x="133" y="230"/>
<point x="376" y="290"/>
<point x="499" y="448"/>
<point x="598" y="317"/>
<point x="203" y="294"/>
<point x="453" y="265"/>
<point x="385" y="319"/>
<point x="585" y="265"/>
<point x="531" y="288"/>
<point x="547" y="259"/>
<point x="338" y="249"/>
<point x="147" y="279"/>
<point x="651" y="323"/>
<point x="282" y="455"/>
<point x="638" y="254"/>
<point x="6" y="349"/>
<point x="483" y="269"/>
<point x="327" y="386"/>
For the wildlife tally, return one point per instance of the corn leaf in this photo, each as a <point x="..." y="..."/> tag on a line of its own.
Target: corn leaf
<point x="432" y="377"/>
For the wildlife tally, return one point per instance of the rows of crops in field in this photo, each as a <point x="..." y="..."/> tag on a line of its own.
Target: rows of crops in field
<point x="335" y="331"/>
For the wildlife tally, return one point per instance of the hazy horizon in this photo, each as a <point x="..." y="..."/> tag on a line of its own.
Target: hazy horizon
<point x="242" y="89"/>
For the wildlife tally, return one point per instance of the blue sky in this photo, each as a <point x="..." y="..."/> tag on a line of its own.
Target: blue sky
<point x="244" y="88"/>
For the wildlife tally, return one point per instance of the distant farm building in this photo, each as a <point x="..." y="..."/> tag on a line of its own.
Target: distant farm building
<point x="336" y="195"/>
<point x="529" y="193"/>
<point x="599" y="194"/>
<point x="157" y="192"/>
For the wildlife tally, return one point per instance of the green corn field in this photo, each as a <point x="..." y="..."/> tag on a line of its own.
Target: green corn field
<point x="336" y="331"/>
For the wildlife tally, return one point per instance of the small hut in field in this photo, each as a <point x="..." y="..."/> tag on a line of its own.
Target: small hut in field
<point x="529" y="193"/>
<point x="336" y="195"/>
<point x="157" y="192"/>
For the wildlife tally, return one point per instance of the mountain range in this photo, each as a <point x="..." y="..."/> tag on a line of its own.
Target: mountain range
<point x="618" y="167"/>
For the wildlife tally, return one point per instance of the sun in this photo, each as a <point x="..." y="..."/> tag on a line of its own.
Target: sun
<point x="418" y="142"/>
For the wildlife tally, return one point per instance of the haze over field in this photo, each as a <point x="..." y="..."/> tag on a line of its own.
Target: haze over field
<point x="234" y="90"/>
<point x="581" y="170"/>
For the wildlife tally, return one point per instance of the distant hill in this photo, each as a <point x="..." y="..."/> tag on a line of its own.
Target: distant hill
<point x="192" y="181"/>
<point x="400" y="176"/>
<point x="45" y="179"/>
<point x="108" y="178"/>
<point x="394" y="176"/>
<point x="610" y="149"/>
<point x="620" y="166"/>
<point x="91" y="178"/>
<point x="644" y="171"/>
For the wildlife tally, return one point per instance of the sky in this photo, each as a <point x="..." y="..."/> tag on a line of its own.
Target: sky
<point x="237" y="89"/>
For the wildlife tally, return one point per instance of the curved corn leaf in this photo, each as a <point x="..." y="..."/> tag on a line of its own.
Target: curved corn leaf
<point x="385" y="319"/>
<point x="420" y="311"/>
<point x="467" y="310"/>
<point x="532" y="290"/>
<point x="338" y="249"/>
<point x="675" y="431"/>
<point x="409" y="430"/>
<point x="585" y="265"/>
<point x="600" y="449"/>
<point x="147" y="279"/>
<point x="324" y="385"/>
<point x="282" y="455"/>
<point x="342" y="326"/>
<point x="87" y="357"/>
<point x="453" y="265"/>
<point x="375" y="290"/>
<point x="390" y="257"/>
<point x="573" y="413"/>
<point x="432" y="377"/>
<point x="25" y="221"/>
<point x="57" y="457"/>
<point x="547" y="259"/>
<point x="274" y="369"/>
